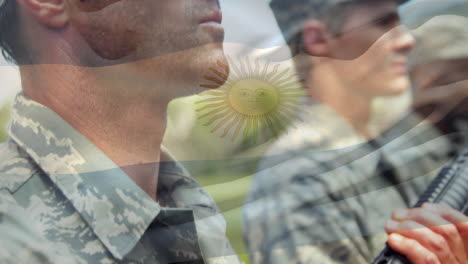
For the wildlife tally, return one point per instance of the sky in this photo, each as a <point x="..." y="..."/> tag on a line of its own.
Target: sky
<point x="9" y="82"/>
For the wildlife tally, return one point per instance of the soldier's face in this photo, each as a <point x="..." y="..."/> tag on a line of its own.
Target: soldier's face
<point x="180" y="35"/>
<point x="378" y="45"/>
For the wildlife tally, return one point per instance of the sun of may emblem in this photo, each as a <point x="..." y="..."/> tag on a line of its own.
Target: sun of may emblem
<point x="256" y="99"/>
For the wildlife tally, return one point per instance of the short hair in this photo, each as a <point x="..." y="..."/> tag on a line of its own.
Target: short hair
<point x="10" y="41"/>
<point x="292" y="14"/>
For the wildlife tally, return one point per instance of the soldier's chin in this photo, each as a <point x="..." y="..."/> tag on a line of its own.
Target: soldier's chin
<point x="214" y="69"/>
<point x="206" y="71"/>
<point x="217" y="57"/>
<point x="399" y="86"/>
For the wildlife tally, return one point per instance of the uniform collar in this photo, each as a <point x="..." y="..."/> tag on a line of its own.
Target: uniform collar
<point x="113" y="206"/>
<point x="319" y="128"/>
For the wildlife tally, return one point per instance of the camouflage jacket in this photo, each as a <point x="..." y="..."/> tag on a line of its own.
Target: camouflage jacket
<point x="320" y="128"/>
<point x="20" y="241"/>
<point x="88" y="210"/>
<point x="309" y="206"/>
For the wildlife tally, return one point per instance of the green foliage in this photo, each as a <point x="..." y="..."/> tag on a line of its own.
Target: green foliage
<point x="4" y="118"/>
<point x="230" y="197"/>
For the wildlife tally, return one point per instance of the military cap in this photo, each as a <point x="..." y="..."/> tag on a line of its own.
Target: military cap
<point x="443" y="37"/>
<point x="291" y="14"/>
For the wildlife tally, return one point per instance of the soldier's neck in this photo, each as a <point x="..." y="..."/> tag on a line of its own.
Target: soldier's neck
<point x="351" y="106"/>
<point x="122" y="120"/>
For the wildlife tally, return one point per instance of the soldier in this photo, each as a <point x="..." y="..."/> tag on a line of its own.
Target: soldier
<point x="439" y="73"/>
<point x="347" y="55"/>
<point x="84" y="158"/>
<point x="310" y="206"/>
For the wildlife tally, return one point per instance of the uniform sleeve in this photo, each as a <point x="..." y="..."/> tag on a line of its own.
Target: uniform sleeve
<point x="20" y="242"/>
<point x="290" y="217"/>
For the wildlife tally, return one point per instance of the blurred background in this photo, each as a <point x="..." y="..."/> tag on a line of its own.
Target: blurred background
<point x="222" y="164"/>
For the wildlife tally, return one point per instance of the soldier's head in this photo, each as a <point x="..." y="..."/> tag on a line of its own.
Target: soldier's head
<point x="439" y="66"/>
<point x="109" y="32"/>
<point x="360" y="41"/>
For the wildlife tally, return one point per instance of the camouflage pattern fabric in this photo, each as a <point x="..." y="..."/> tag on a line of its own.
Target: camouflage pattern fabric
<point x="319" y="127"/>
<point x="20" y="241"/>
<point x="90" y="211"/>
<point x="309" y="206"/>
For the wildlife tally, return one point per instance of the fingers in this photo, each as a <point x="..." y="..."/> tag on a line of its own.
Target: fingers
<point x="445" y="94"/>
<point x="456" y="218"/>
<point x="426" y="238"/>
<point x="410" y="248"/>
<point x="439" y="102"/>
<point x="433" y="219"/>
<point x="439" y="229"/>
<point x="448" y="213"/>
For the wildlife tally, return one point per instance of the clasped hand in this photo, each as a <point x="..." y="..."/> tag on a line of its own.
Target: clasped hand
<point x="431" y="234"/>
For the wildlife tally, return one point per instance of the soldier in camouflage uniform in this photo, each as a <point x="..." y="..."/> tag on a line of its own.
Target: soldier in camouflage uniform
<point x="83" y="178"/>
<point x="439" y="73"/>
<point x="310" y="206"/>
<point x="319" y="195"/>
<point x="439" y="68"/>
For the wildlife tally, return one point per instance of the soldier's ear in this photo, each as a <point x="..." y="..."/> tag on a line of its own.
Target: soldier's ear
<point x="315" y="38"/>
<point x="51" y="13"/>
